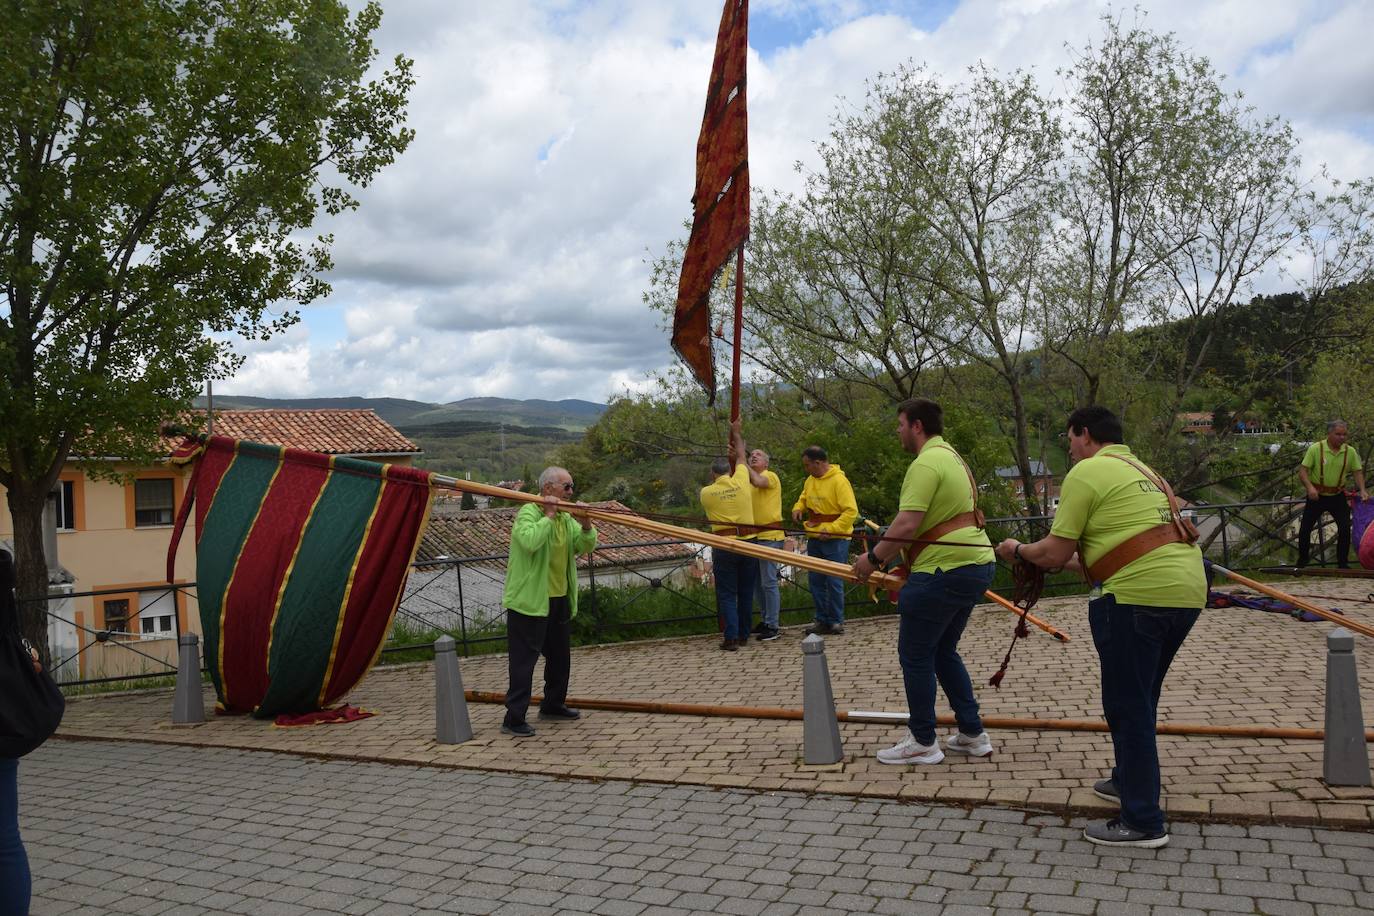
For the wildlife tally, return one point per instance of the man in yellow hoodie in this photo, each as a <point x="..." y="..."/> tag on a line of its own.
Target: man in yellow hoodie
<point x="827" y="510"/>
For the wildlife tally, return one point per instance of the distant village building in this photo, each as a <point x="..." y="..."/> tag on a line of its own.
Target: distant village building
<point x="1045" y="489"/>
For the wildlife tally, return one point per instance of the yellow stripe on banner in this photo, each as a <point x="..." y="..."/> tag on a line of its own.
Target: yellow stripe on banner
<point x="281" y="589"/>
<point x="410" y="564"/>
<point x="348" y="591"/>
<point x="229" y="586"/>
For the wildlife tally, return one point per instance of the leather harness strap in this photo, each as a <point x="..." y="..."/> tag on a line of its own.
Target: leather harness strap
<point x="1177" y="530"/>
<point x="1322" y="488"/>
<point x="973" y="519"/>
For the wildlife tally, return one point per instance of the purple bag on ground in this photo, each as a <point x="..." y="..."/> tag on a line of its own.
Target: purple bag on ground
<point x="1362" y="530"/>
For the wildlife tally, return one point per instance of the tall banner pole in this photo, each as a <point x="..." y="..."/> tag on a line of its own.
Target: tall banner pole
<point x="739" y="334"/>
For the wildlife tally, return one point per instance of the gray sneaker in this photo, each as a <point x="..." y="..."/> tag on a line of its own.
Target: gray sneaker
<point x="1115" y="833"/>
<point x="1105" y="789"/>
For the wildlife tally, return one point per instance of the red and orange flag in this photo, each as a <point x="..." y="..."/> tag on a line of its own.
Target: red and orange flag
<point x="720" y="222"/>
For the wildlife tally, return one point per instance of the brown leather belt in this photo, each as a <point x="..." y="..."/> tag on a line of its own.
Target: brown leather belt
<point x="962" y="520"/>
<point x="1132" y="549"/>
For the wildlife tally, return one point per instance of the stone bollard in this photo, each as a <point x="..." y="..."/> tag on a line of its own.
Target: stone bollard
<point x="451" y="724"/>
<point x="820" y="729"/>
<point x="1345" y="756"/>
<point x="188" y="704"/>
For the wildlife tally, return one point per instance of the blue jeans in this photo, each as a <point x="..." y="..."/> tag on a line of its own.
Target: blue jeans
<point x="1136" y="644"/>
<point x="934" y="609"/>
<point x="827" y="592"/>
<point x="14" y="864"/>
<point x="770" y="602"/>
<point x="735" y="576"/>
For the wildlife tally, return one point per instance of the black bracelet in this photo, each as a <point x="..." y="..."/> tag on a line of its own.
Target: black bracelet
<point x="873" y="558"/>
<point x="1016" y="552"/>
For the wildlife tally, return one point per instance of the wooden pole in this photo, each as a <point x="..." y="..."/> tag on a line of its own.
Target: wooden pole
<point x="1354" y="625"/>
<point x="1190" y="729"/>
<point x="739" y="337"/>
<point x="811" y="564"/>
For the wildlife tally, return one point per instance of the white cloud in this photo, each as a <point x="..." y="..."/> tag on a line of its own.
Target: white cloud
<point x="504" y="253"/>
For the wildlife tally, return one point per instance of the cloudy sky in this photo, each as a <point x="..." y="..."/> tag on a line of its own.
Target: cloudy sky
<point x="505" y="254"/>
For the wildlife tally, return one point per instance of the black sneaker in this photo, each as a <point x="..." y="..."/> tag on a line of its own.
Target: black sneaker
<point x="559" y="714"/>
<point x="758" y="628"/>
<point x="769" y="634"/>
<point x="836" y="629"/>
<point x="1115" y="833"/>
<point x="518" y="730"/>
<point x="728" y="645"/>
<point x="1105" y="789"/>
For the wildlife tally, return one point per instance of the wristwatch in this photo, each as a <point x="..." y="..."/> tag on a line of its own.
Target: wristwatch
<point x="873" y="558"/>
<point x="1017" y="552"/>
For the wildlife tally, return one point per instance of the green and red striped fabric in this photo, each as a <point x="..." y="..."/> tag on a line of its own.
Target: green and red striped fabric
<point x="300" y="562"/>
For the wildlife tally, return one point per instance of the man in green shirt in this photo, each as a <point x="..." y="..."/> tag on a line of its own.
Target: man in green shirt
<point x="541" y="599"/>
<point x="1118" y="520"/>
<point x="1322" y="473"/>
<point x="938" y="503"/>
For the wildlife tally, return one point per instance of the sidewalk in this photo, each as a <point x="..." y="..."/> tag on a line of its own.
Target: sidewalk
<point x="1239" y="667"/>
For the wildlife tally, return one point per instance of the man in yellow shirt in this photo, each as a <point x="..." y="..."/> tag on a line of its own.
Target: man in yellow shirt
<point x="1322" y="473"/>
<point x="938" y="503"/>
<point x="827" y="504"/>
<point x="767" y="491"/>
<point x="729" y="505"/>
<point x="1122" y="521"/>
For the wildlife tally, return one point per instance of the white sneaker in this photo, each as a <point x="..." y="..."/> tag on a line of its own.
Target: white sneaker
<point x="977" y="746"/>
<point x="911" y="751"/>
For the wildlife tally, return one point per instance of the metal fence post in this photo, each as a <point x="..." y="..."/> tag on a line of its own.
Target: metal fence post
<point x="1225" y="540"/>
<point x="820" y="728"/>
<point x="451" y="723"/>
<point x="462" y="608"/>
<point x="1345" y="756"/>
<point x="188" y="703"/>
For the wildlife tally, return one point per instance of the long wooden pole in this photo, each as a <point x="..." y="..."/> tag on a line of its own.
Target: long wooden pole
<point x="739" y="337"/>
<point x="1354" y="625"/>
<point x="1191" y="729"/>
<point x="809" y="563"/>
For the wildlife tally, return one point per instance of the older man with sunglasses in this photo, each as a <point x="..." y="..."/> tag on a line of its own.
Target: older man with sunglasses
<point x="541" y="599"/>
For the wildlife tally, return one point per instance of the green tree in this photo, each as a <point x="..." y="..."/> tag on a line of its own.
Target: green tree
<point x="159" y="160"/>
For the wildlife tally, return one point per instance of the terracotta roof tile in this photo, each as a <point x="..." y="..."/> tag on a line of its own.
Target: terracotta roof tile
<point x="334" y="432"/>
<point x="486" y="533"/>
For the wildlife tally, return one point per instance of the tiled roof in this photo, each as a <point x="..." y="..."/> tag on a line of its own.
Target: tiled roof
<point x="334" y="432"/>
<point x="486" y="533"/>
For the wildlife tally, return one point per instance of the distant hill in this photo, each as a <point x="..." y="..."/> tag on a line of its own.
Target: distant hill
<point x="572" y="415"/>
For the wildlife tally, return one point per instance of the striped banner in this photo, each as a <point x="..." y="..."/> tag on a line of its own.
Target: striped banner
<point x="300" y="562"/>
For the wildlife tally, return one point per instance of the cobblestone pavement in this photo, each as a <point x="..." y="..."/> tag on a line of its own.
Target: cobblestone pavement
<point x="164" y="830"/>
<point x="1239" y="667"/>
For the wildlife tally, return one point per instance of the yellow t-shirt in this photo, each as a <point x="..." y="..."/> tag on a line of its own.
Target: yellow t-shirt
<point x="1326" y="468"/>
<point x="768" y="508"/>
<point x="558" y="559"/>
<point x="937" y="485"/>
<point x="1105" y="501"/>
<point x="728" y="503"/>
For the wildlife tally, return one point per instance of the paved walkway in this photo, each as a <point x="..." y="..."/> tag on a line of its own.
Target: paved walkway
<point x="165" y="831"/>
<point x="1239" y="667"/>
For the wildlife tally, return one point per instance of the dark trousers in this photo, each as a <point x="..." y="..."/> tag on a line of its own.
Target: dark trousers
<point x="934" y="609"/>
<point x="736" y="576"/>
<point x="827" y="592"/>
<point x="1136" y="645"/>
<point x="1339" y="507"/>
<point x="14" y="864"/>
<point x="529" y="637"/>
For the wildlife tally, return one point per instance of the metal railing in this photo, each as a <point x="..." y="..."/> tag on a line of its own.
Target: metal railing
<point x="460" y="596"/>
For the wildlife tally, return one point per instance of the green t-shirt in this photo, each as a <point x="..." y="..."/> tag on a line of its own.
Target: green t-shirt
<point x="1105" y="501"/>
<point x="1326" y="468"/>
<point x="558" y="560"/>
<point x="937" y="484"/>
